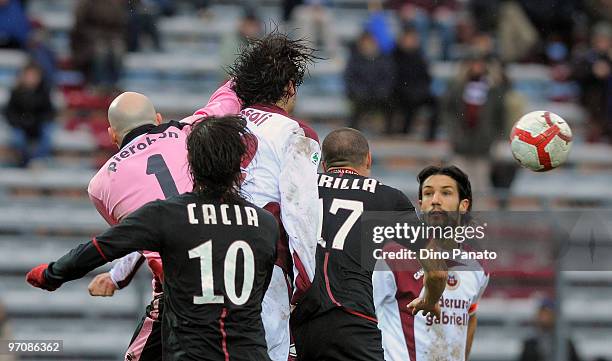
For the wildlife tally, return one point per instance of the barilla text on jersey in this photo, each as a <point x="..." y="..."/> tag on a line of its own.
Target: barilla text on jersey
<point x="134" y="147"/>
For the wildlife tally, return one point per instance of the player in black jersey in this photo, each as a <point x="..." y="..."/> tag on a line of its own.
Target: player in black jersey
<point x="217" y="250"/>
<point x="336" y="319"/>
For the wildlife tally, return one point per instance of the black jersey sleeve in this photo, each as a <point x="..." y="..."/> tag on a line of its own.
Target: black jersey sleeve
<point x="403" y="203"/>
<point x="139" y="231"/>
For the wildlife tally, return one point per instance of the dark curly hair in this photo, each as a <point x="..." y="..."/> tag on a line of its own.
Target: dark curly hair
<point x="463" y="182"/>
<point x="265" y="67"/>
<point x="216" y="147"/>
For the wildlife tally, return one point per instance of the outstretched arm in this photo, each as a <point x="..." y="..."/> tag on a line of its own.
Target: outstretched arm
<point x="435" y="271"/>
<point x="120" y="276"/>
<point x="123" y="271"/>
<point x="434" y="284"/>
<point x="224" y="101"/>
<point x="140" y="230"/>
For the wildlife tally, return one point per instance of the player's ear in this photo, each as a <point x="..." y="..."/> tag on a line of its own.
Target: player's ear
<point x="291" y="89"/>
<point x="324" y="165"/>
<point x="464" y="204"/>
<point x="369" y="161"/>
<point x="158" y="118"/>
<point x="113" y="136"/>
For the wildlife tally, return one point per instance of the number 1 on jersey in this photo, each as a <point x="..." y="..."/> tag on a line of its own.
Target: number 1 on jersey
<point x="157" y="166"/>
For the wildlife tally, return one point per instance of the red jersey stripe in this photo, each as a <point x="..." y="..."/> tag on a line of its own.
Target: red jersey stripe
<point x="95" y="243"/>
<point x="223" y="334"/>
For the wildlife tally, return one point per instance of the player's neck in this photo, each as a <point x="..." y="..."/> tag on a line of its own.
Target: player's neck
<point x="282" y="106"/>
<point x="286" y="105"/>
<point x="124" y="140"/>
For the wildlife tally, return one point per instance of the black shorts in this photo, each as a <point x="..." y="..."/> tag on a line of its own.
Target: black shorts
<point x="146" y="343"/>
<point x="338" y="335"/>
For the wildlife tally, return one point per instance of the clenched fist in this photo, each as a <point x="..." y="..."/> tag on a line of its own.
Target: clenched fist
<point x="102" y="285"/>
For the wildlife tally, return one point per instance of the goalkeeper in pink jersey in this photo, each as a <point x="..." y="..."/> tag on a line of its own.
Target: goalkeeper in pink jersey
<point x="151" y="164"/>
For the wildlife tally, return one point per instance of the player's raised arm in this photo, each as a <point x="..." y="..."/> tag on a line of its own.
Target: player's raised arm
<point x="300" y="210"/>
<point x="135" y="232"/>
<point x="434" y="284"/>
<point x="435" y="273"/>
<point x="224" y="101"/>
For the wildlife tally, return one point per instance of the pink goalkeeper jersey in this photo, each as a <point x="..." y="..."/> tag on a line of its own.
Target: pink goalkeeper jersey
<point x="396" y="283"/>
<point x="151" y="164"/>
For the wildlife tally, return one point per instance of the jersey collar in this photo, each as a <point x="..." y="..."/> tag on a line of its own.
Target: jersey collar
<point x="271" y="108"/>
<point x="343" y="171"/>
<point x="138" y="131"/>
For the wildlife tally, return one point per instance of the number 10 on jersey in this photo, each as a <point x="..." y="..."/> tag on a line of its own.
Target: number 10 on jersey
<point x="204" y="253"/>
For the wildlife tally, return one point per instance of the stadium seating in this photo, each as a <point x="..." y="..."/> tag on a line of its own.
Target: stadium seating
<point x="83" y="339"/>
<point x="45" y="211"/>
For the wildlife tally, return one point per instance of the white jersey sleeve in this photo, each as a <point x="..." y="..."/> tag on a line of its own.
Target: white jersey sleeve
<point x="300" y="207"/>
<point x="484" y="281"/>
<point x="125" y="268"/>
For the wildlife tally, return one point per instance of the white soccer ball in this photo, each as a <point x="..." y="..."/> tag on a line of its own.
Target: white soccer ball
<point x="540" y="140"/>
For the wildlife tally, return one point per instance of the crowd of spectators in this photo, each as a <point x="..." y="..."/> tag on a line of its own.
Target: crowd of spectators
<point x="388" y="72"/>
<point x="571" y="36"/>
<point x="101" y="34"/>
<point x="540" y="346"/>
<point x="30" y="114"/>
<point x="389" y="66"/>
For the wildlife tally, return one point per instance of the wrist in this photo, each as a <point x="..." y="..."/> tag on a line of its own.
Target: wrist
<point x="51" y="282"/>
<point x="112" y="278"/>
<point x="428" y="298"/>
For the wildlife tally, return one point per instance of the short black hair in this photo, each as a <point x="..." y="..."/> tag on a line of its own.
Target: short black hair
<point x="463" y="182"/>
<point x="216" y="148"/>
<point x="345" y="147"/>
<point x="265" y="67"/>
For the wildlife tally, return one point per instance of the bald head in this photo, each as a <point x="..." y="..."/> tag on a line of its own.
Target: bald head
<point x="345" y="147"/>
<point x="129" y="111"/>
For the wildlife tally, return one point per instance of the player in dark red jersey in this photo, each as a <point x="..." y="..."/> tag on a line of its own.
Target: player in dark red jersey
<point x="336" y="319"/>
<point x="217" y="250"/>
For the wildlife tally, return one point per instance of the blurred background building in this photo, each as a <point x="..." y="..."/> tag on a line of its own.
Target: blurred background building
<point x="428" y="82"/>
